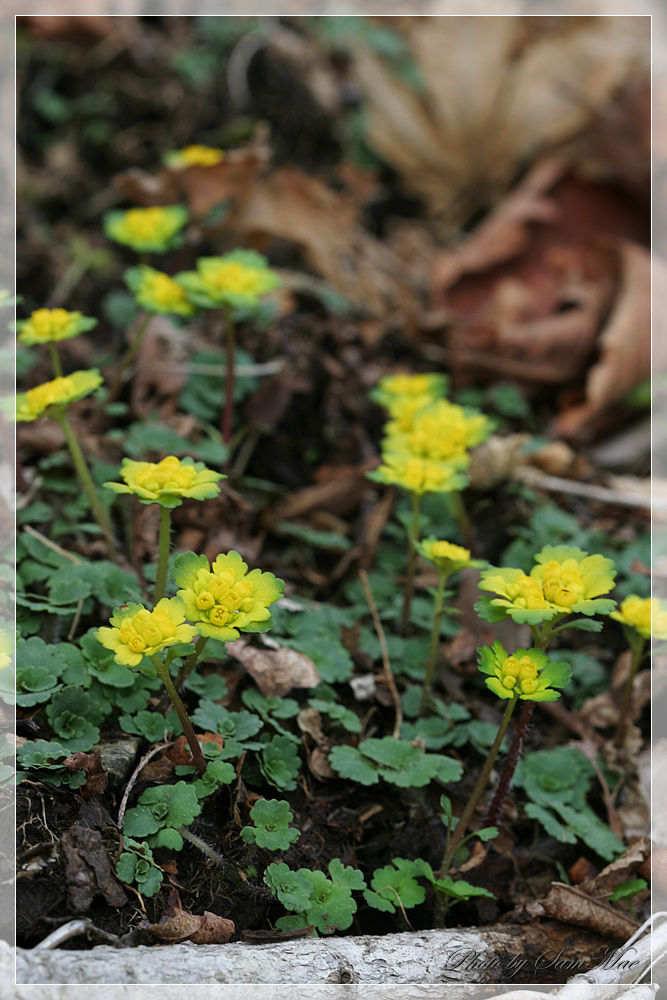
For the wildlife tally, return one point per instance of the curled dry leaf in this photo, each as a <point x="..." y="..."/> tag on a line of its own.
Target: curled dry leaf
<point x="571" y="905"/>
<point x="621" y="870"/>
<point x="309" y="721"/>
<point x="275" y="671"/>
<point x="625" y="343"/>
<point x="319" y="766"/>
<point x="179" y="925"/>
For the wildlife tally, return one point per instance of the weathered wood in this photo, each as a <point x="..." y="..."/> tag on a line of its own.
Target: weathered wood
<point x="544" y="951"/>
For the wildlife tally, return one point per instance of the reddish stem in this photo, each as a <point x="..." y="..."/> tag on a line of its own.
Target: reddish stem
<point x="513" y="757"/>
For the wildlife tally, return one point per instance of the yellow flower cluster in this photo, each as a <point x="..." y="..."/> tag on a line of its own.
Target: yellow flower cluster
<point x="239" y="279"/>
<point x="167" y="482"/>
<point x="645" y="615"/>
<point x="447" y="557"/>
<point x="563" y="580"/>
<point x="527" y="674"/>
<point x="146" y="230"/>
<point x="138" y="632"/>
<point x="46" y="326"/>
<point x="157" y="292"/>
<point x="35" y="403"/>
<point x="224" y="597"/>
<point x="194" y="156"/>
<point x="427" y="439"/>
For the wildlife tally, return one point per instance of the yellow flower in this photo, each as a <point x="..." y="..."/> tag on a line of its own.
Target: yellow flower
<point x="440" y="432"/>
<point x="447" y="557"/>
<point x="138" y="632"/>
<point x="157" y="292"/>
<point x="645" y="615"/>
<point x="563" y="581"/>
<point x="239" y="279"/>
<point x="147" y="229"/>
<point x="393" y="389"/>
<point x="7" y="646"/>
<point x="48" y="325"/>
<point x="224" y="597"/>
<point x="167" y="482"/>
<point x="527" y="674"/>
<point x="194" y="156"/>
<point x="60" y="392"/>
<point x="402" y="411"/>
<point x="417" y="475"/>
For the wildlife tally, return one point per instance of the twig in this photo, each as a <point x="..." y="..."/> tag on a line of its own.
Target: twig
<point x="135" y="774"/>
<point x="51" y="545"/>
<point x="389" y="677"/>
<point x="555" y="484"/>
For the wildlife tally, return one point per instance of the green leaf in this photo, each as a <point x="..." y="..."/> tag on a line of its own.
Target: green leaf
<point x="630" y="888"/>
<point x="153" y="726"/>
<point x="170" y="805"/>
<point x="293" y="889"/>
<point x="213" y="687"/>
<point x="240" y="726"/>
<point x="280" y="763"/>
<point x="350" y="764"/>
<point x="397" y="881"/>
<point x="271" y="825"/>
<point x="348" y="719"/>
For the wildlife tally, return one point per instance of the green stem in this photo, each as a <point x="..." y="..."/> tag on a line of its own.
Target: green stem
<point x="100" y="512"/>
<point x="464" y="522"/>
<point x="230" y="350"/>
<point x="468" y="812"/>
<point x="164" y="675"/>
<point x="413" y="536"/>
<point x="192" y="661"/>
<point x="429" y="671"/>
<point x="163" y="554"/>
<point x="128" y="358"/>
<point x="55" y="361"/>
<point x="637" y="644"/>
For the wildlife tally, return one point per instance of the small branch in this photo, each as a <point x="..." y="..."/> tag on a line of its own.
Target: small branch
<point x="51" y="545"/>
<point x="135" y="774"/>
<point x="389" y="677"/>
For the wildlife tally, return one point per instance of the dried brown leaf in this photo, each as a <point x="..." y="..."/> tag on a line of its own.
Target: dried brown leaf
<point x="177" y="925"/>
<point x="275" y="671"/>
<point x="91" y="765"/>
<point x="621" y="870"/>
<point x="625" y="343"/>
<point x="87" y="870"/>
<point x="570" y="905"/>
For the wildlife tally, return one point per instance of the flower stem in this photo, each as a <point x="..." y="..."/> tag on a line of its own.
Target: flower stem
<point x="468" y="812"/>
<point x="413" y="536"/>
<point x="463" y="521"/>
<point x="513" y="757"/>
<point x="163" y="673"/>
<point x="429" y="670"/>
<point x="230" y="350"/>
<point x="163" y="553"/>
<point x="637" y="644"/>
<point x="100" y="512"/>
<point x="192" y="661"/>
<point x="55" y="361"/>
<point x="128" y="358"/>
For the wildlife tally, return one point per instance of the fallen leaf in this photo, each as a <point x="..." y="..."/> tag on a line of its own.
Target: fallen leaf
<point x="620" y="870"/>
<point x="533" y="85"/>
<point x="87" y="870"/>
<point x="309" y="721"/>
<point x="91" y="765"/>
<point x="178" y="925"/>
<point x="625" y="344"/>
<point x="570" y="905"/>
<point x="319" y="766"/>
<point x="275" y="671"/>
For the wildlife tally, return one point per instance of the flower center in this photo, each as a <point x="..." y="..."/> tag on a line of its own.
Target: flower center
<point x="143" y="223"/>
<point x="446" y="550"/>
<point x="562" y="583"/>
<point x="48" y="394"/>
<point x="164" y="290"/>
<point x="526" y="592"/>
<point x="167" y="475"/>
<point x="234" y="277"/>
